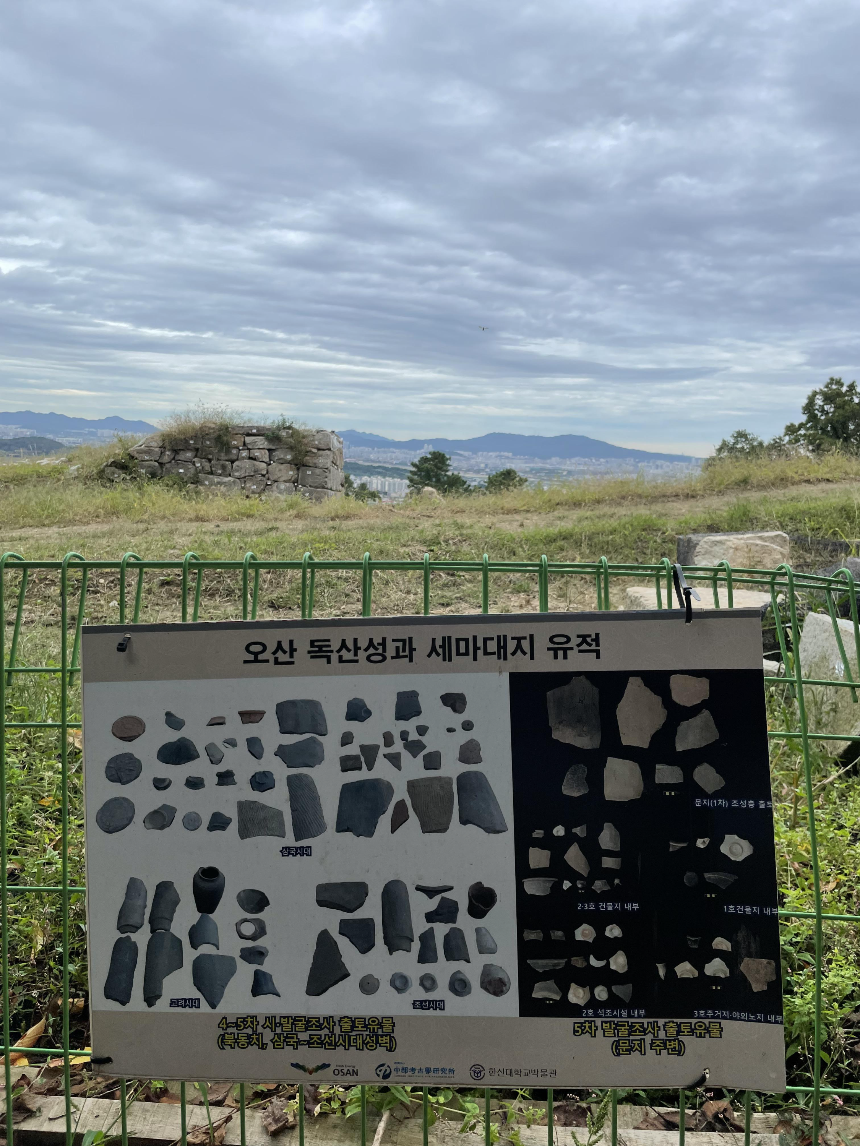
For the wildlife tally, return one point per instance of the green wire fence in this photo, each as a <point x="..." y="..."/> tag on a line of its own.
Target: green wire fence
<point x="69" y="580"/>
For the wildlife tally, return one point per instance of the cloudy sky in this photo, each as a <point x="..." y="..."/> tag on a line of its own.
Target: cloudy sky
<point x="315" y="206"/>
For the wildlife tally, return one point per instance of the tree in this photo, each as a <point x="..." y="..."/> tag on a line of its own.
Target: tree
<point x="742" y="444"/>
<point x="359" y="492"/>
<point x="831" y="415"/>
<point x="504" y="480"/>
<point x="434" y="469"/>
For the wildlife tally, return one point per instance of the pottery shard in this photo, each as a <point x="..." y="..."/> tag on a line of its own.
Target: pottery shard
<point x="428" y="982"/>
<point x="346" y="738"/>
<point x="128" y="728"/>
<point x="432" y="761"/>
<point x="181" y="751"/>
<point x="622" y="780"/>
<point x="204" y="932"/>
<point x="254" y="955"/>
<point x="195" y="783"/>
<point x="387" y="739"/>
<point x="211" y="974"/>
<point x="759" y="972"/>
<point x="191" y="821"/>
<point x="689" y="690"/>
<point x="414" y="747"/>
<point x="538" y="886"/>
<point x="407" y="706"/>
<point x="575" y="782"/>
<point x="360" y="805"/>
<point x="214" y="753"/>
<point x="399" y="815"/>
<point x="252" y="900"/>
<point x="546" y="989"/>
<point x="163" y="957"/>
<point x="327" y="966"/>
<point x="350" y="763"/>
<point x="216" y="720"/>
<point x="478" y="804"/>
<point x="495" y="980"/>
<point x="470" y="753"/>
<point x="610" y="838"/>
<point x="538" y="857"/>
<point x="696" y="733"/>
<point x="360" y="932"/>
<point x="342" y="896"/>
<point x="484" y="941"/>
<point x="357" y="710"/>
<point x="459" y="985"/>
<point x="263" y="984"/>
<point x="400" y="982"/>
<point x="717" y="969"/>
<point x="256" y="819"/>
<point x="305" y="807"/>
<point x="432" y="799"/>
<point x="225" y="779"/>
<point x="393" y="759"/>
<point x="115" y="814"/>
<point x="396" y="917"/>
<point x="668" y="774"/>
<point x="640" y="714"/>
<point x="456" y="701"/>
<point x="368" y="984"/>
<point x="574" y="713"/>
<point x="369" y="752"/>
<point x="262" y="781"/>
<point x="123" y="768"/>
<point x="218" y="822"/>
<point x="255" y="747"/>
<point x="161" y="783"/>
<point x="307" y="753"/>
<point x="123" y="964"/>
<point x="708" y="778"/>
<point x="445" y="911"/>
<point x="131" y="912"/>
<point x="159" y="818"/>
<point x="575" y="858"/>
<point x="173" y="721"/>
<point x="427" y="947"/>
<point x="454" y="946"/>
<point x="298" y="717"/>
<point x="251" y="715"/>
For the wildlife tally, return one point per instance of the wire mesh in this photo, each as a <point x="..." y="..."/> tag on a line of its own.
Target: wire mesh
<point x="22" y="581"/>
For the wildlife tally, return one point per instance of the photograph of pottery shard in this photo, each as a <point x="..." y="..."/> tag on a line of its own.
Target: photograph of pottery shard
<point x="644" y="854"/>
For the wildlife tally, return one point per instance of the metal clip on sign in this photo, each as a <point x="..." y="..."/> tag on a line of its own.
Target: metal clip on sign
<point x="684" y="593"/>
<point x="123" y="643"/>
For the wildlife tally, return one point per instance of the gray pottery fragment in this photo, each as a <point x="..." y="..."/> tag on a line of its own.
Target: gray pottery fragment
<point x="211" y="974"/>
<point x="708" y="778"/>
<point x="298" y="717"/>
<point x="357" y="710"/>
<point x="422" y="729"/>
<point x="208" y="888"/>
<point x="404" y="734"/>
<point x="218" y="822"/>
<point x="668" y="774"/>
<point x="546" y="989"/>
<point x="445" y="911"/>
<point x="191" y="821"/>
<point x="575" y="857"/>
<point x="400" y="982"/>
<point x="350" y="763"/>
<point x="164" y="905"/>
<point x="204" y="931"/>
<point x="305" y="808"/>
<point x="225" y="779"/>
<point x="120" y="976"/>
<point x="216" y="720"/>
<point x="399" y="815"/>
<point x="115" y="814"/>
<point x="759" y="972"/>
<point x="459" y="985"/>
<point x="432" y="761"/>
<point x="408" y="706"/>
<point x="640" y="714"/>
<point x="163" y="957"/>
<point x="427" y="947"/>
<point x="544" y="965"/>
<point x="624" y="991"/>
<point x="456" y="701"/>
<point x="133" y="908"/>
<point x="396" y="917"/>
<point x="262" y="781"/>
<point x="495" y="980"/>
<point x="689" y="690"/>
<point x="720" y="879"/>
<point x="387" y="740"/>
<point x="346" y="738"/>
<point x="128" y="728"/>
<point x="195" y="783"/>
<point x="251" y="929"/>
<point x="360" y="932"/>
<point x="214" y="753"/>
<point x="252" y="900"/>
<point x="256" y="819"/>
<point x="454" y="946"/>
<point x="251" y="715"/>
<point x="393" y="758"/>
<point x="470" y="752"/>
<point x="574" y="713"/>
<point x="123" y="768"/>
<point x="263" y="984"/>
<point x="230" y="742"/>
<point x="360" y="805"/>
<point x="181" y="751"/>
<point x="432" y="799"/>
<point x="428" y="983"/>
<point x="369" y="753"/>
<point x="622" y="780"/>
<point x="431" y="891"/>
<point x="327" y="966"/>
<point x="161" y="783"/>
<point x="538" y="885"/>
<point x="342" y="896"/>
<point x="307" y="753"/>
<point x="255" y="746"/>
<point x="159" y="818"/>
<point x="482" y="900"/>
<point x="575" y="782"/>
<point x="467" y="725"/>
<point x="484" y="941"/>
<point x="368" y="984"/>
<point x="478" y="804"/>
<point x="610" y="838"/>
<point x="696" y="733"/>
<point x="414" y="747"/>
<point x="254" y="955"/>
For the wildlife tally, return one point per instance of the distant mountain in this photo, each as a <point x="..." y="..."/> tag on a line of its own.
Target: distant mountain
<point x="520" y="445"/>
<point x="62" y="424"/>
<point x="33" y="445"/>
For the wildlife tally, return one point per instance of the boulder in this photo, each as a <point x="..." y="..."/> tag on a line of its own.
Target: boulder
<point x="146" y="453"/>
<point x="282" y="488"/>
<point x="830" y="709"/>
<point x="256" y="483"/>
<point x="183" y="470"/>
<point x="222" y="484"/>
<point x="282" y="471"/>
<point x="741" y="550"/>
<point x="246" y="467"/>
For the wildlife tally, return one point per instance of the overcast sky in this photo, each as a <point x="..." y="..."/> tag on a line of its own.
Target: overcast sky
<point x="315" y="207"/>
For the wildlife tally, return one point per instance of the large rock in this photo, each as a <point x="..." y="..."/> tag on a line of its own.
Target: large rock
<point x="741" y="550"/>
<point x="830" y="709"/>
<point x="282" y="471"/>
<point x="183" y="470"/>
<point x="245" y="467"/>
<point x="222" y="484"/>
<point x="645" y="597"/>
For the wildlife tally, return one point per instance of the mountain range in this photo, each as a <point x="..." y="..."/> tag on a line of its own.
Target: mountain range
<point x="519" y="445"/>
<point x="62" y="424"/>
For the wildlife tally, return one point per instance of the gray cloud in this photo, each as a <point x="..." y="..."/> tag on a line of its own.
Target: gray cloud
<point x="314" y="207"/>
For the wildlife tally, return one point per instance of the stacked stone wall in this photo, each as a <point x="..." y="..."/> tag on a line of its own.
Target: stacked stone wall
<point x="255" y="461"/>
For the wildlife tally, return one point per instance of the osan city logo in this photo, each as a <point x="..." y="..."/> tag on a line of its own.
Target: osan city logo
<point x="345" y="1072"/>
<point x="383" y="1070"/>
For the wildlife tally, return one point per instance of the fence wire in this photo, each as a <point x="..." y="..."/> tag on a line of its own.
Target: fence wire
<point x="43" y="585"/>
